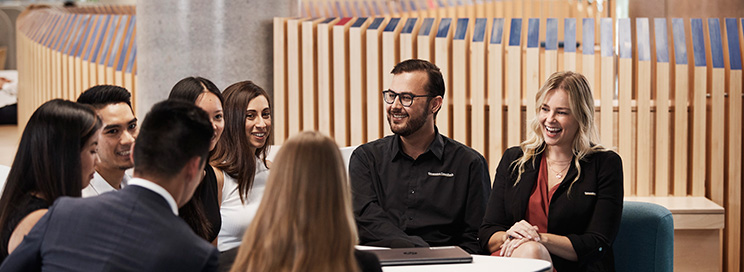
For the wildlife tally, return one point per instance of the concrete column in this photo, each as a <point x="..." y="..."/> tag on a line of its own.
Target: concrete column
<point x="222" y="40"/>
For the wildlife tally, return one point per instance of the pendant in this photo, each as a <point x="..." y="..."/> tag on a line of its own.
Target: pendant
<point x="558" y="176"/>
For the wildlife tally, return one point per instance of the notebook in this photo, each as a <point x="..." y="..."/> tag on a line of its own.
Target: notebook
<point x="422" y="255"/>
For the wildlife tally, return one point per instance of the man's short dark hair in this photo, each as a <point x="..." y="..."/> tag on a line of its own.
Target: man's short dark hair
<point x="172" y="133"/>
<point x="100" y="96"/>
<point x="435" y="84"/>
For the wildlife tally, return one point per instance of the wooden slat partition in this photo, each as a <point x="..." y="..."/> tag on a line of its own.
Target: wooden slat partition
<point x="733" y="159"/>
<point x="62" y="52"/>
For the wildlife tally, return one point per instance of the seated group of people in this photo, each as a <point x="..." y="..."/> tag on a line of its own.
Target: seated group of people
<point x="203" y="195"/>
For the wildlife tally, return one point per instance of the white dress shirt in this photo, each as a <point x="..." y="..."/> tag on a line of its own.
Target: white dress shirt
<point x="98" y="185"/>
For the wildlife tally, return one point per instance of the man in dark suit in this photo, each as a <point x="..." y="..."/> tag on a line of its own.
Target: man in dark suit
<point x="137" y="228"/>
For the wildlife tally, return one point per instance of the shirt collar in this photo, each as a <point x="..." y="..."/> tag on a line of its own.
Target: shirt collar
<point x="157" y="189"/>
<point x="436" y="147"/>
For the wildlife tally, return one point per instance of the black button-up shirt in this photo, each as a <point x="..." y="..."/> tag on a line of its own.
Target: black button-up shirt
<point x="435" y="200"/>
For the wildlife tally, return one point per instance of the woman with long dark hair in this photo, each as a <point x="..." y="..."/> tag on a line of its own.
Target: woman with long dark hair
<point x="56" y="157"/>
<point x="202" y="212"/>
<point x="241" y="155"/>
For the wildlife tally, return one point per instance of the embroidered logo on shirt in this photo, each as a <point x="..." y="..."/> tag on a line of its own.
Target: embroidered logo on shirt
<point x="441" y="174"/>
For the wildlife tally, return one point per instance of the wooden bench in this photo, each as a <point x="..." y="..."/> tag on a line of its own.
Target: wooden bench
<point x="698" y="231"/>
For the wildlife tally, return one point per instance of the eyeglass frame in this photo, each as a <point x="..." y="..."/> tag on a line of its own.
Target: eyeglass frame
<point x="399" y="96"/>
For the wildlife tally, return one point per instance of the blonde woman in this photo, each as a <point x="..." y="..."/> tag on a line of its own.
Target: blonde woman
<point x="558" y="196"/>
<point x="304" y="222"/>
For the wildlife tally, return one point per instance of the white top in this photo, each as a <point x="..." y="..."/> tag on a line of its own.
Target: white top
<point x="236" y="216"/>
<point x="157" y="189"/>
<point x="98" y="185"/>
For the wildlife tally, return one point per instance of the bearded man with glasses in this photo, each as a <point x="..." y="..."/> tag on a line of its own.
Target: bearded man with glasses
<point x="418" y="188"/>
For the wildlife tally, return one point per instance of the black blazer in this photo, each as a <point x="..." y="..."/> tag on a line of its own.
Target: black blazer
<point x="589" y="215"/>
<point x="133" y="229"/>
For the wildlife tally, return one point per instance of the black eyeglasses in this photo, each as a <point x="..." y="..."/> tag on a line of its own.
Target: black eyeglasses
<point x="406" y="99"/>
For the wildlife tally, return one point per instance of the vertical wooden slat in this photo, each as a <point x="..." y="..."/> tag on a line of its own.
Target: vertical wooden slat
<point x="374" y="80"/>
<point x="513" y="81"/>
<point x="587" y="50"/>
<point x="681" y="94"/>
<point x="569" y="44"/>
<point x="733" y="161"/>
<point x="624" y="96"/>
<point x="325" y="76"/>
<point x="698" y="109"/>
<point x="478" y="86"/>
<point x="408" y="38"/>
<point x="308" y="29"/>
<point x="425" y="40"/>
<point x="357" y="82"/>
<point x="390" y="55"/>
<point x="496" y="92"/>
<point x="551" y="48"/>
<point x="662" y="143"/>
<point x="442" y="47"/>
<point x="644" y="184"/>
<point x="607" y="79"/>
<point x="294" y="78"/>
<point x="531" y="78"/>
<point x="718" y="112"/>
<point x="460" y="91"/>
<point x="341" y="81"/>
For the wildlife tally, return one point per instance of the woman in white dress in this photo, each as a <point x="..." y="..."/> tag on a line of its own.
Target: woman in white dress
<point x="241" y="155"/>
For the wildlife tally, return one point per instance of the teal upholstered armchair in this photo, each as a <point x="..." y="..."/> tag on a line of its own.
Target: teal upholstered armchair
<point x="645" y="241"/>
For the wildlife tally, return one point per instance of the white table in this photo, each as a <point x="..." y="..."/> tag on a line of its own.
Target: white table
<point x="480" y="263"/>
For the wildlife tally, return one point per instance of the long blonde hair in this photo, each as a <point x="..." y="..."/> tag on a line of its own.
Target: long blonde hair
<point x="581" y="102"/>
<point x="304" y="222"/>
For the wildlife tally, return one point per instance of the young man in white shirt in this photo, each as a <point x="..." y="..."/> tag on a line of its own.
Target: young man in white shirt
<point x="113" y="105"/>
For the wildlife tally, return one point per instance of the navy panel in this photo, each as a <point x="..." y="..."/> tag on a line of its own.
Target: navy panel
<point x="108" y="39"/>
<point x="86" y="34"/>
<point x="376" y="8"/>
<point x="348" y="8"/>
<point x="515" y="34"/>
<point x="497" y="30"/>
<point x="587" y="29"/>
<point x="551" y="34"/>
<point x="716" y="46"/>
<point x="117" y="42"/>
<point x="425" y="29"/>
<point x="569" y="35"/>
<point x="733" y="43"/>
<point x="329" y="20"/>
<point x="408" y="27"/>
<point x="444" y="26"/>
<point x="339" y="12"/>
<point x="63" y="33"/>
<point x="441" y="3"/>
<point x="662" y="44"/>
<point x="680" y="41"/>
<point x="81" y="31"/>
<point x="413" y="6"/>
<point x="127" y="39"/>
<point x="462" y="28"/>
<point x="73" y="35"/>
<point x="624" y="41"/>
<point x="533" y="33"/>
<point x="376" y="23"/>
<point x="94" y="58"/>
<point x="479" y="31"/>
<point x="605" y="37"/>
<point x="698" y="42"/>
<point x="642" y="39"/>
<point x="403" y="6"/>
<point x="359" y="22"/>
<point x="392" y="25"/>
<point x="46" y="39"/>
<point x="132" y="57"/>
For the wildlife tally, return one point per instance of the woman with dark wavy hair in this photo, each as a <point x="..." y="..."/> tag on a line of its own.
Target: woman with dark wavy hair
<point x="202" y="212"/>
<point x="56" y="157"/>
<point x="241" y="155"/>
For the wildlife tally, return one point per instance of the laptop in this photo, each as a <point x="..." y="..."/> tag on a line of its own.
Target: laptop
<point x="422" y="255"/>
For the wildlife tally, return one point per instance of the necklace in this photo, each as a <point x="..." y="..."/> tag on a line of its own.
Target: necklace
<point x="558" y="174"/>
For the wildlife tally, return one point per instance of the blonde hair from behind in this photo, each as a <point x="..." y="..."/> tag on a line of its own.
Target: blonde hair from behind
<point x="304" y="221"/>
<point x="581" y="102"/>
